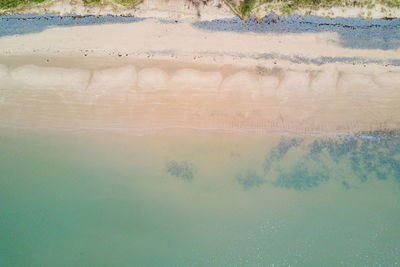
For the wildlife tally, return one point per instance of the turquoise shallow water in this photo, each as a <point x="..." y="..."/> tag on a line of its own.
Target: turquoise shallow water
<point x="181" y="198"/>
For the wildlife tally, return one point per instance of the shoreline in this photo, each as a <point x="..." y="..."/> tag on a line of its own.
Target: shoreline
<point x="377" y="135"/>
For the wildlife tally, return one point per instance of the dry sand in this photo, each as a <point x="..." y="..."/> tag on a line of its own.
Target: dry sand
<point x="150" y="75"/>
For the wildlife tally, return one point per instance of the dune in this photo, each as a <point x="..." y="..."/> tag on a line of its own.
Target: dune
<point x="192" y="79"/>
<point x="112" y="80"/>
<point x="152" y="79"/>
<point x="40" y="78"/>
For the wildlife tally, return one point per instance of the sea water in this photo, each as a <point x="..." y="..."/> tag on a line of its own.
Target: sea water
<point x="198" y="198"/>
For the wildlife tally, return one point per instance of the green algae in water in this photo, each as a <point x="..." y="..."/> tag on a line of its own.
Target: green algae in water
<point x="195" y="199"/>
<point x="183" y="170"/>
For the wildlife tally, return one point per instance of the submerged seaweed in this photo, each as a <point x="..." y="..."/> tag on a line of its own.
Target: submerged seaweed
<point x="339" y="149"/>
<point x="250" y="179"/>
<point x="355" y="163"/>
<point x="316" y="148"/>
<point x="335" y="148"/>
<point x="368" y="157"/>
<point x="286" y="144"/>
<point x="300" y="177"/>
<point x="280" y="151"/>
<point x="183" y="170"/>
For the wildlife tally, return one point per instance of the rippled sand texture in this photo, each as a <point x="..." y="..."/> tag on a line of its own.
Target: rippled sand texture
<point x="315" y="99"/>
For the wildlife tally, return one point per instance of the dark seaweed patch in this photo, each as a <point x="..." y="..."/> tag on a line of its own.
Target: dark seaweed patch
<point x="336" y="148"/>
<point x="267" y="164"/>
<point x="278" y="152"/>
<point x="301" y="178"/>
<point x="391" y="167"/>
<point x="367" y="156"/>
<point x="355" y="163"/>
<point x="393" y="145"/>
<point x="379" y="158"/>
<point x="250" y="179"/>
<point x="339" y="149"/>
<point x="285" y="145"/>
<point x="182" y="170"/>
<point x="316" y="147"/>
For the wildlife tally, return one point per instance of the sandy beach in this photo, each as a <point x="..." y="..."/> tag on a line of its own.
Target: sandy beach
<point x="172" y="139"/>
<point x="177" y="75"/>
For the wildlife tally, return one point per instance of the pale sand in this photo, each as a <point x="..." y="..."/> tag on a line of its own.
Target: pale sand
<point x="190" y="79"/>
<point x="109" y="80"/>
<point x="153" y="79"/>
<point x="241" y="81"/>
<point x="33" y="77"/>
<point x="241" y="100"/>
<point x="149" y="75"/>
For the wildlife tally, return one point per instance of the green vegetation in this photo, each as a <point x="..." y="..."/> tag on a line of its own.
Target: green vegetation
<point x="6" y="4"/>
<point x="91" y="1"/>
<point x="246" y="7"/>
<point x="391" y="3"/>
<point x="122" y="2"/>
<point x="288" y="8"/>
<point x="126" y="2"/>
